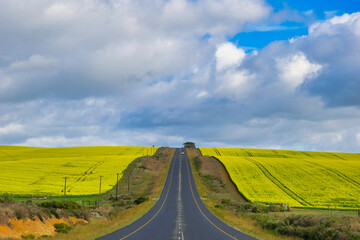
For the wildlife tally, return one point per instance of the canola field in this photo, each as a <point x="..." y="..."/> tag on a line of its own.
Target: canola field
<point x="297" y="178"/>
<point x="32" y="171"/>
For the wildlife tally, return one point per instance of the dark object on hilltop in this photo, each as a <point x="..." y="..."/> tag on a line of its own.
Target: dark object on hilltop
<point x="189" y="145"/>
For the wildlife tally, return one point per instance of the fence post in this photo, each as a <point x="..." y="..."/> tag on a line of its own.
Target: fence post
<point x="117" y="183"/>
<point x="100" y="190"/>
<point x="65" y="190"/>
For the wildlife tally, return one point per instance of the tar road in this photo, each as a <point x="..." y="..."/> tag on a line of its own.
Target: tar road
<point x="179" y="212"/>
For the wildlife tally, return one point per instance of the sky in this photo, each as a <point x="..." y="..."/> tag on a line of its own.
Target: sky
<point x="221" y="73"/>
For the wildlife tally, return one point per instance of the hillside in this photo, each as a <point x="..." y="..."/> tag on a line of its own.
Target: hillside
<point x="28" y="171"/>
<point x="297" y="178"/>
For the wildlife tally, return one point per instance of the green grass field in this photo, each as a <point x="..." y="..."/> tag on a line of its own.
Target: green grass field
<point x="32" y="171"/>
<point x="297" y="178"/>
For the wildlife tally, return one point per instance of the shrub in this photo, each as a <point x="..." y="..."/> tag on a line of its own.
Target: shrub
<point x="140" y="200"/>
<point x="32" y="216"/>
<point x="247" y="206"/>
<point x="18" y="214"/>
<point x="55" y="213"/>
<point x="143" y="167"/>
<point x="219" y="206"/>
<point x="40" y="217"/>
<point x="197" y="163"/>
<point x="271" y="224"/>
<point x="62" y="205"/>
<point x="28" y="237"/>
<point x="62" y="227"/>
<point x="275" y="208"/>
<point x="255" y="209"/>
<point x="226" y="201"/>
<point x="7" y="199"/>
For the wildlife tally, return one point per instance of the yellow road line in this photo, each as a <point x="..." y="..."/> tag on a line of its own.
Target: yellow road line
<point x="200" y="208"/>
<point x="167" y="193"/>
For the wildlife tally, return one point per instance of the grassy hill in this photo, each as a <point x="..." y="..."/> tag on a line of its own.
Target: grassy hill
<point x="297" y="178"/>
<point x="37" y="171"/>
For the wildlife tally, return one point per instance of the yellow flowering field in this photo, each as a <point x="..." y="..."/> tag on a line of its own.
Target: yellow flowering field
<point x="32" y="171"/>
<point x="297" y="178"/>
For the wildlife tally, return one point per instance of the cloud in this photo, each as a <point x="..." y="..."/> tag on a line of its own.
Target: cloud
<point x="336" y="25"/>
<point x="294" y="70"/>
<point x="11" y="128"/>
<point x="202" y="94"/>
<point x="60" y="11"/>
<point x="358" y="139"/>
<point x="228" y="55"/>
<point x="120" y="45"/>
<point x="34" y="63"/>
<point x="236" y="84"/>
<point x="162" y="72"/>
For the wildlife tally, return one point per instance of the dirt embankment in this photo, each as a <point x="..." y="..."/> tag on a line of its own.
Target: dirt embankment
<point x="17" y="229"/>
<point x="214" y="176"/>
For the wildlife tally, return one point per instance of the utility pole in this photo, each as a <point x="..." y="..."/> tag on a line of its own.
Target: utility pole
<point x="117" y="183"/>
<point x="65" y="190"/>
<point x="100" y="190"/>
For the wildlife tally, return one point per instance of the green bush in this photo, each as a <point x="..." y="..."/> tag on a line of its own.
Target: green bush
<point x="18" y="214"/>
<point x="55" y="213"/>
<point x="62" y="205"/>
<point x="226" y="201"/>
<point x="140" y="200"/>
<point x="7" y="199"/>
<point x="219" y="206"/>
<point x="62" y="227"/>
<point x="28" y="237"/>
<point x="40" y="217"/>
<point x="311" y="227"/>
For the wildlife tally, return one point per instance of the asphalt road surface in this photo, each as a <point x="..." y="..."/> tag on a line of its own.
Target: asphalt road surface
<point x="179" y="213"/>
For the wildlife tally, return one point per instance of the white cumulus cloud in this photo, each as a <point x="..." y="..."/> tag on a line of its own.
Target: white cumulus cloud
<point x="228" y="55"/>
<point x="294" y="70"/>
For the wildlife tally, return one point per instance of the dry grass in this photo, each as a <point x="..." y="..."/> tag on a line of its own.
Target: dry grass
<point x="100" y="227"/>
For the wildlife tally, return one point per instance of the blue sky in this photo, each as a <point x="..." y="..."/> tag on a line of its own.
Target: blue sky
<point x="319" y="7"/>
<point x="322" y="10"/>
<point x="221" y="73"/>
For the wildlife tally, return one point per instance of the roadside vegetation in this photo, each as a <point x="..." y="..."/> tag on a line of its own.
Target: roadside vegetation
<point x="142" y="180"/>
<point x="266" y="220"/>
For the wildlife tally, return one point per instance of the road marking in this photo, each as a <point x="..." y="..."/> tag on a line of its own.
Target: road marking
<point x="167" y="193"/>
<point x="179" y="204"/>
<point x="192" y="192"/>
